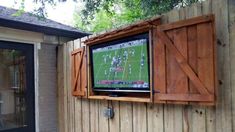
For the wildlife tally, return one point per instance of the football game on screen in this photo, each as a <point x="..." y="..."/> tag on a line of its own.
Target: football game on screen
<point x="121" y="65"/>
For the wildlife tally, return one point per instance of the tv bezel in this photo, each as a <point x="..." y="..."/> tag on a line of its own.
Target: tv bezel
<point x="144" y="35"/>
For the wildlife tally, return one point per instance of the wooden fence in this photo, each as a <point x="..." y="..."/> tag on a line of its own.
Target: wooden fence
<point x="83" y="115"/>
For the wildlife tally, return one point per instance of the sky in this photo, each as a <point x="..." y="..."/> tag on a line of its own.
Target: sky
<point x="62" y="12"/>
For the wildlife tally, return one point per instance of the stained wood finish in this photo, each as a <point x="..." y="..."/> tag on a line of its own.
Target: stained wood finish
<point x="166" y="117"/>
<point x="79" y="74"/>
<point x="133" y="29"/>
<point x="175" y="38"/>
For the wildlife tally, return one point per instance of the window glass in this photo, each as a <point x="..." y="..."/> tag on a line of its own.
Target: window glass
<point x="12" y="89"/>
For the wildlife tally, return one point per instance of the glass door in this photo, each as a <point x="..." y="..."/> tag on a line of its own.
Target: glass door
<point x="16" y="87"/>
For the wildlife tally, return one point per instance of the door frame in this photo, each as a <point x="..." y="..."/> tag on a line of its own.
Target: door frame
<point x="29" y="50"/>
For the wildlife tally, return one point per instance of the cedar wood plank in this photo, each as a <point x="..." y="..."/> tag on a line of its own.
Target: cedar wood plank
<point x="210" y="112"/>
<point x="159" y="67"/>
<point x="78" y="101"/>
<point x="197" y="113"/>
<point x="94" y="115"/>
<point x="66" y="115"/>
<point x="103" y="121"/>
<point x="77" y="84"/>
<point x="126" y="116"/>
<point x="140" y="117"/>
<point x="183" y="63"/>
<point x="192" y="21"/>
<point x="114" y="124"/>
<point x="232" y="47"/>
<point x="85" y="101"/>
<point x="224" y="100"/>
<point x="84" y="74"/>
<point x="61" y="100"/>
<point x="192" y="54"/>
<point x="180" y="42"/>
<point x="70" y="88"/>
<point x="172" y="113"/>
<point x="206" y="56"/>
<point x="85" y="115"/>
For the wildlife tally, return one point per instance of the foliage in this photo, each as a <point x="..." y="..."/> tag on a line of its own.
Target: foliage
<point x="21" y="9"/>
<point x="40" y="12"/>
<point x="101" y="15"/>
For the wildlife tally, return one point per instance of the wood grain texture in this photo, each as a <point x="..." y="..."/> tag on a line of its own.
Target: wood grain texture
<point x="198" y="118"/>
<point x="71" y="100"/>
<point x="205" y="56"/>
<point x="127" y="99"/>
<point x="192" y="54"/>
<point x="114" y="124"/>
<point x="140" y="117"/>
<point x="103" y="121"/>
<point x="232" y="47"/>
<point x="172" y="113"/>
<point x="85" y="115"/>
<point x="94" y="115"/>
<point x="210" y="112"/>
<point x="164" y="118"/>
<point x="133" y="29"/>
<point x="224" y="99"/>
<point x="126" y="117"/>
<point x="61" y="99"/>
<point x="192" y="117"/>
<point x="155" y="118"/>
<point x="180" y="42"/>
<point x="159" y="66"/>
<point x="65" y="89"/>
<point x="78" y="101"/>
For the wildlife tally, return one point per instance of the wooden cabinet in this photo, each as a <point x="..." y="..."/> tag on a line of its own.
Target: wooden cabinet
<point x="182" y="58"/>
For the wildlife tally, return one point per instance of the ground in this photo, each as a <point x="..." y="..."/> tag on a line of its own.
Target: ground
<point x="121" y="66"/>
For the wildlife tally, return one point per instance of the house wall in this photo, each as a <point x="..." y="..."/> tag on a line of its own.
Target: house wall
<point x="83" y="115"/>
<point x="47" y="88"/>
<point x="46" y="79"/>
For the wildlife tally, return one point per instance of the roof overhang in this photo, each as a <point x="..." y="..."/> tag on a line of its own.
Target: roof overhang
<point x="41" y="29"/>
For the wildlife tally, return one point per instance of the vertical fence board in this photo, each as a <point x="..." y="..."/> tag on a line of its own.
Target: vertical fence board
<point x="85" y="115"/>
<point x="195" y="115"/>
<point x="71" y="99"/>
<point x="103" y="121"/>
<point x="78" y="103"/>
<point x="114" y="124"/>
<point x="61" y="92"/>
<point x="173" y="113"/>
<point x="139" y="117"/>
<point x="232" y="54"/>
<point x="210" y="111"/>
<point x="94" y="116"/>
<point x="155" y="118"/>
<point x="223" y="108"/>
<point x="126" y="117"/>
<point x="65" y="89"/>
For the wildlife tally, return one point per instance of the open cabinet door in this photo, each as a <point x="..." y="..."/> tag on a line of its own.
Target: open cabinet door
<point x="79" y="72"/>
<point x="184" y="61"/>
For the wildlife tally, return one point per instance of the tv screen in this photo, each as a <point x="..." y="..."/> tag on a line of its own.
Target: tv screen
<point x="121" y="65"/>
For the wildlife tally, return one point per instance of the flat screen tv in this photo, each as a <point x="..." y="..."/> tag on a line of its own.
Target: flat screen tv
<point x="121" y="65"/>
